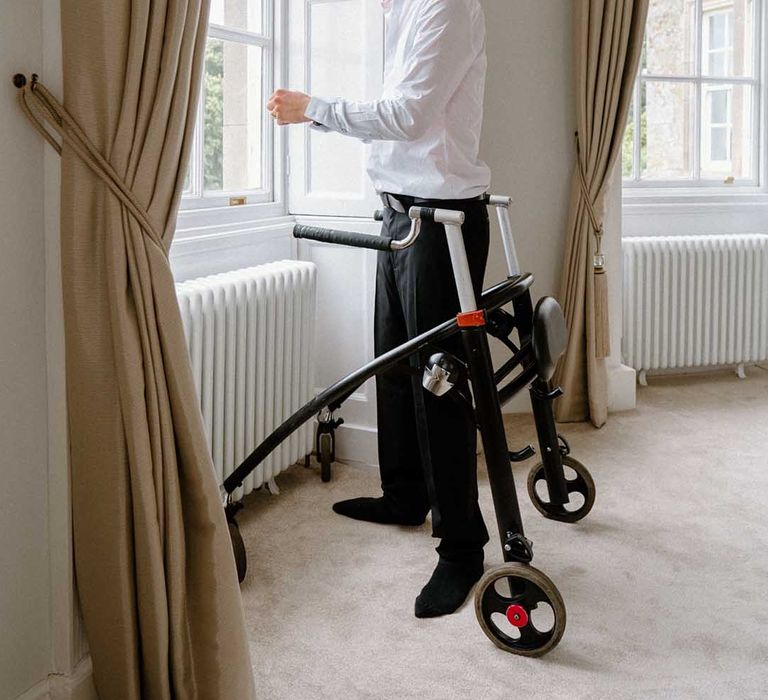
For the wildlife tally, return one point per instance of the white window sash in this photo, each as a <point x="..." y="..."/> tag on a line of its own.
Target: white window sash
<point x="759" y="104"/>
<point x="269" y="200"/>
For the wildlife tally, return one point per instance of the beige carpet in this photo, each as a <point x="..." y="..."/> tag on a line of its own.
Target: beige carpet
<point x="665" y="581"/>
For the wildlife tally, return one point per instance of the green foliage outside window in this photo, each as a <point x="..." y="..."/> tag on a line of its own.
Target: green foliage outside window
<point x="213" y="136"/>
<point x="628" y="147"/>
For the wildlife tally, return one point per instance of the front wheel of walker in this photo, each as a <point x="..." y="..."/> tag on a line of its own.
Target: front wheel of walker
<point x="236" y="539"/>
<point x="520" y="610"/>
<point x="325" y="456"/>
<point x="581" y="492"/>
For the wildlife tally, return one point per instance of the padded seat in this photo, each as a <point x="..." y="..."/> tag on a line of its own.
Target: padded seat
<point x="550" y="336"/>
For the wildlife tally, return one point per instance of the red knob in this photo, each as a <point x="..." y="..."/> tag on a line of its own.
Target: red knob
<point x="517" y="616"/>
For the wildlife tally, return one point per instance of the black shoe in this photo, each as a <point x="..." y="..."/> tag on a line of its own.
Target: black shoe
<point x="449" y="586"/>
<point x="376" y="510"/>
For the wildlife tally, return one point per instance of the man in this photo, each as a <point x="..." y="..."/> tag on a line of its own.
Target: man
<point x="425" y="131"/>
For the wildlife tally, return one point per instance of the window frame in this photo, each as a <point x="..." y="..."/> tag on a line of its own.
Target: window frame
<point x="690" y="189"/>
<point x="199" y="211"/>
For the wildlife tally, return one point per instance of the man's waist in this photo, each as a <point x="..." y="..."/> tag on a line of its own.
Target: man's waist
<point x="401" y="203"/>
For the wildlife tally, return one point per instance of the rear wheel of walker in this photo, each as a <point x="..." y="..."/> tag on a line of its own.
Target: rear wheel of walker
<point x="520" y="610"/>
<point x="325" y="456"/>
<point x="581" y="490"/>
<point x="238" y="549"/>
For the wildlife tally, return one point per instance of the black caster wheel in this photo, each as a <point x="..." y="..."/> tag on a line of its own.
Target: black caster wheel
<point x="520" y="610"/>
<point x="238" y="546"/>
<point x="326" y="457"/>
<point x="582" y="485"/>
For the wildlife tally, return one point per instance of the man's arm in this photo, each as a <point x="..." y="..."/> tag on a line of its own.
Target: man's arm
<point x="444" y="53"/>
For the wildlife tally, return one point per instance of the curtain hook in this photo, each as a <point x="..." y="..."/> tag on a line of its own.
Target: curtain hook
<point x="19" y="80"/>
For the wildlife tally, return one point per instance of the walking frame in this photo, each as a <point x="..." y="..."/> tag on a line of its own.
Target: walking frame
<point x="517" y="606"/>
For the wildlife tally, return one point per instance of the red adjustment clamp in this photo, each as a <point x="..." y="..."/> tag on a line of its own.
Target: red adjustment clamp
<point x="471" y="319"/>
<point x="517" y="616"/>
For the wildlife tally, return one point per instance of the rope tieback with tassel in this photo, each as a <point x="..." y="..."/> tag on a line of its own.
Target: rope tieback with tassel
<point x="43" y="110"/>
<point x="599" y="276"/>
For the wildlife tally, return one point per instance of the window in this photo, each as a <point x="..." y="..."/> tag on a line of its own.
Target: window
<point x="696" y="113"/>
<point x="341" y="54"/>
<point x="233" y="155"/>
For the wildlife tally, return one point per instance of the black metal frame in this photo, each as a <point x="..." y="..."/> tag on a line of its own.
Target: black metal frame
<point x="488" y="400"/>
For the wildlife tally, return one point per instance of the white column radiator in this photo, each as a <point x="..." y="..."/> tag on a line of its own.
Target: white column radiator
<point x="695" y="301"/>
<point x="251" y="337"/>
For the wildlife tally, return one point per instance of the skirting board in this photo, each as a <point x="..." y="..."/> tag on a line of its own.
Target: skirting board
<point x="357" y="443"/>
<point x="622" y="389"/>
<point x="76" y="686"/>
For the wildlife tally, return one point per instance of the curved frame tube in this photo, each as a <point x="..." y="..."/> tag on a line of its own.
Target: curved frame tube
<point x="492" y="299"/>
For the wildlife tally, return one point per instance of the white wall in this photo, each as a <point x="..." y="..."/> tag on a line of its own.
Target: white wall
<point x="25" y="642"/>
<point x="528" y="142"/>
<point x="528" y="133"/>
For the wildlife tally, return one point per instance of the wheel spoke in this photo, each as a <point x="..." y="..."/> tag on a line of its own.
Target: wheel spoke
<point x="531" y="637"/>
<point x="533" y="596"/>
<point x="577" y="485"/>
<point x="493" y="602"/>
<point x="522" y="591"/>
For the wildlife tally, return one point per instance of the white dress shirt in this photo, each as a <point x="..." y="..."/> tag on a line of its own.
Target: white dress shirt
<point x="426" y="126"/>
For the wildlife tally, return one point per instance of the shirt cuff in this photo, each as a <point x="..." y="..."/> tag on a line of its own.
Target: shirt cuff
<point x="318" y="111"/>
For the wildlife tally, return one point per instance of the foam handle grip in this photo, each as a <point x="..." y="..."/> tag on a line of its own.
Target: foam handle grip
<point x="424" y="213"/>
<point x="348" y="238"/>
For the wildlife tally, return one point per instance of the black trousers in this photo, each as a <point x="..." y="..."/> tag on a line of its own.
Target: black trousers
<point x="427" y="445"/>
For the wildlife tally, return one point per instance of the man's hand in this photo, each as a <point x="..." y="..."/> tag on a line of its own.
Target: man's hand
<point x="288" y="107"/>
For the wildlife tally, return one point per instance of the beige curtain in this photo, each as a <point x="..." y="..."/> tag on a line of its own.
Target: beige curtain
<point x="154" y="566"/>
<point x="609" y="37"/>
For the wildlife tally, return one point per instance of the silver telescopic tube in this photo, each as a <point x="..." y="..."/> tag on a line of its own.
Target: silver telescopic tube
<point x="410" y="239"/>
<point x="502" y="205"/>
<point x="453" y="221"/>
<point x="461" y="272"/>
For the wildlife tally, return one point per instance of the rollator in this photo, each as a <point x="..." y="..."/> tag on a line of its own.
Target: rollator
<point x="517" y="606"/>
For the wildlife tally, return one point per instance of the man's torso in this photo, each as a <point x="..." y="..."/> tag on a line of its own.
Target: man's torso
<point x="443" y="163"/>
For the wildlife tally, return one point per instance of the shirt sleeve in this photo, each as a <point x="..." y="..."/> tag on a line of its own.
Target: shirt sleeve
<point x="443" y="53"/>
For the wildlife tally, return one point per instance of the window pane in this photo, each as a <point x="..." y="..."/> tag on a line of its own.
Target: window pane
<point x="719" y="143"/>
<point x="717" y="28"/>
<point x="727" y="132"/>
<point x="234" y="109"/>
<point x="666" y="130"/>
<point x="628" y="146"/>
<point x="727" y="41"/>
<point x="238" y="14"/>
<point x="337" y="59"/>
<point x="670" y="38"/>
<point x="718" y="106"/>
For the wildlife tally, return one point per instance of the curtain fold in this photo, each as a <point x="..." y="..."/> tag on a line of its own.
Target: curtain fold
<point x="609" y="38"/>
<point x="154" y="566"/>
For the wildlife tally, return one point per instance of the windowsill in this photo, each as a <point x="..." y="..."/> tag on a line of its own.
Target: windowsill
<point x="201" y="221"/>
<point x="685" y="212"/>
<point x="689" y="200"/>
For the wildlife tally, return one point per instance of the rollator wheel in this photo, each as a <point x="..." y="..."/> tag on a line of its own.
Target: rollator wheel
<point x="582" y="484"/>
<point x="520" y="610"/>
<point x="326" y="457"/>
<point x="238" y="546"/>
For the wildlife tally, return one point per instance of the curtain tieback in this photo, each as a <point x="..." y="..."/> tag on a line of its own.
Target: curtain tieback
<point x="601" y="317"/>
<point x="598" y="261"/>
<point x="43" y="109"/>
